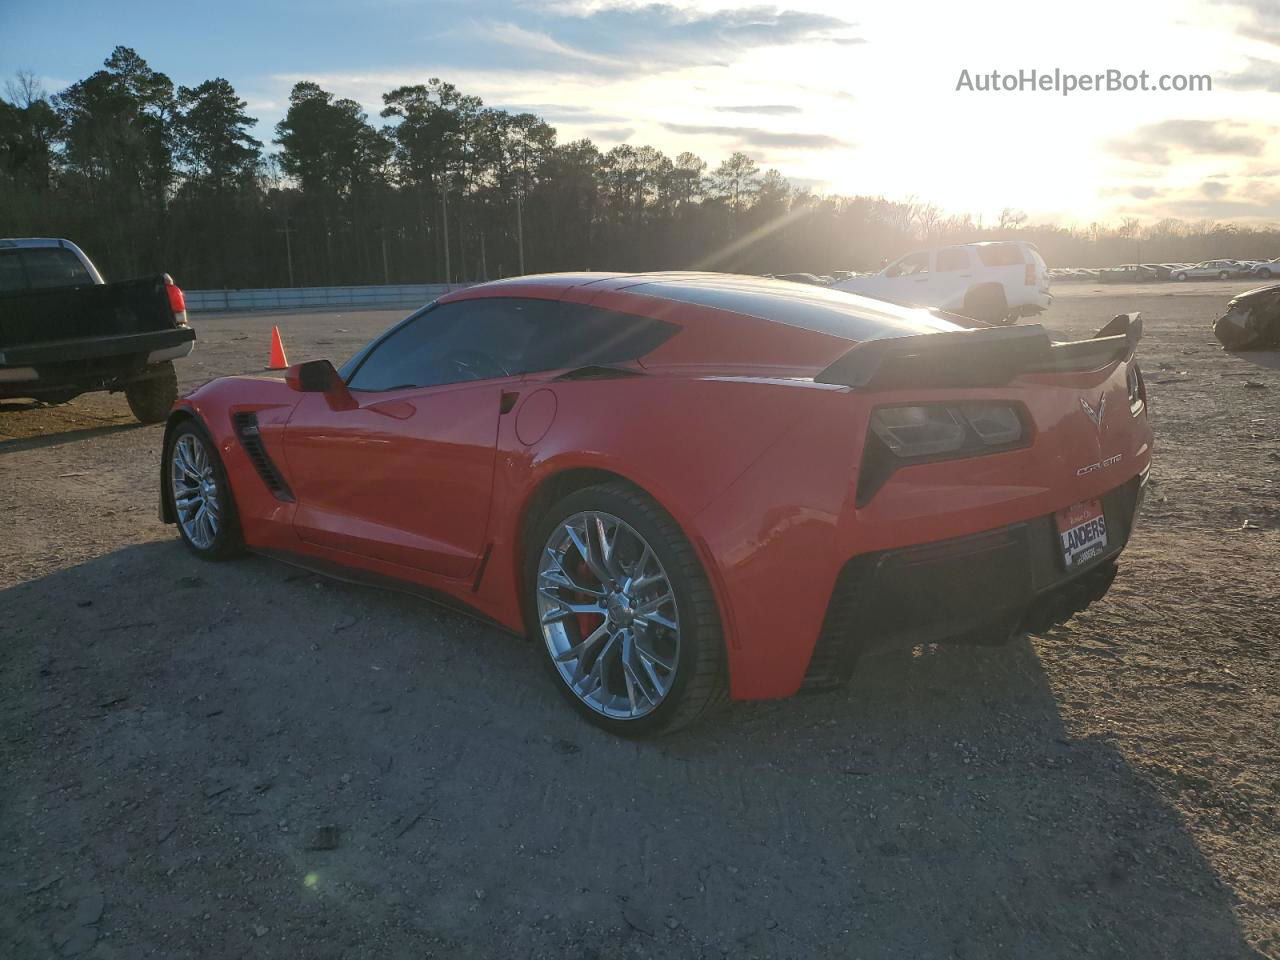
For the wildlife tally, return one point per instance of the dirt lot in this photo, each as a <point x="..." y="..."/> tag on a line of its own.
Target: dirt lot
<point x="174" y="736"/>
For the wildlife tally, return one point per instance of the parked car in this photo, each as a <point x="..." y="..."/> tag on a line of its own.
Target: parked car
<point x="1252" y="320"/>
<point x="993" y="282"/>
<point x="1127" y="273"/>
<point x="682" y="486"/>
<point x="1209" y="269"/>
<point x="1266" y="269"/>
<point x="1162" y="271"/>
<point x="64" y="331"/>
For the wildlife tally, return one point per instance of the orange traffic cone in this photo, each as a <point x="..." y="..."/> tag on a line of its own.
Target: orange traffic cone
<point x="278" y="360"/>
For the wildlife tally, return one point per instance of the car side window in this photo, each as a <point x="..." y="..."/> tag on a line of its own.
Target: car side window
<point x="583" y="336"/>
<point x="952" y="260"/>
<point x="494" y="337"/>
<point x="913" y="263"/>
<point x="1001" y="255"/>
<point x="481" y="339"/>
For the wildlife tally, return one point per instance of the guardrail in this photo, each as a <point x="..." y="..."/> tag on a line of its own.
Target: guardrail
<point x="293" y="298"/>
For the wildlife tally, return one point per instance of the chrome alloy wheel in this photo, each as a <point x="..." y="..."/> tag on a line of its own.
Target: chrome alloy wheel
<point x="195" y="491"/>
<point x="608" y="615"/>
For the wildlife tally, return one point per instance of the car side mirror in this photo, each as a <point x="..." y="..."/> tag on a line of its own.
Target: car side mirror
<point x="318" y="376"/>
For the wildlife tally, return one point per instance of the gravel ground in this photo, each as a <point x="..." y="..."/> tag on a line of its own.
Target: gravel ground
<point x="243" y="760"/>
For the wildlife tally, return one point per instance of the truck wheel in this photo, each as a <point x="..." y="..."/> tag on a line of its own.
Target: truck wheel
<point x="623" y="608"/>
<point x="152" y="399"/>
<point x="987" y="304"/>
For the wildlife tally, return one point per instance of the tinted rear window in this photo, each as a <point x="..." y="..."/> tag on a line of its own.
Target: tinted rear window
<point x="41" y="268"/>
<point x="820" y="309"/>
<point x="1001" y="255"/>
<point x="12" y="276"/>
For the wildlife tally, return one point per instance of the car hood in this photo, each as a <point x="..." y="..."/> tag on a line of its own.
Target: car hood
<point x="1257" y="293"/>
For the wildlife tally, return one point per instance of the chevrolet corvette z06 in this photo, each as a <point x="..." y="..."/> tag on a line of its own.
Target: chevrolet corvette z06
<point x="686" y="487"/>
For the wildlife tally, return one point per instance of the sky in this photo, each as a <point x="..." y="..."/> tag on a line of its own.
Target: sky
<point x="839" y="97"/>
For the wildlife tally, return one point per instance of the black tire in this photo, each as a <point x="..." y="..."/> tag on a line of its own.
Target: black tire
<point x="700" y="682"/>
<point x="152" y="399"/>
<point x="1265" y="273"/>
<point x="1179" y="276"/>
<point x="986" y="303"/>
<point x="1223" y="275"/>
<point x="228" y="542"/>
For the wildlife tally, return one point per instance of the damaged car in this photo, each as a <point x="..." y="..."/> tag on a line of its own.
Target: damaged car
<point x="686" y="487"/>
<point x="1252" y="320"/>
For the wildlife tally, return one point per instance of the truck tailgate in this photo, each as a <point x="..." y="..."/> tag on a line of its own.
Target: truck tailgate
<point x="38" y="317"/>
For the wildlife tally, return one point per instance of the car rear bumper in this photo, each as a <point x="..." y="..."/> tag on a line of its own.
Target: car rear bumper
<point x="979" y="589"/>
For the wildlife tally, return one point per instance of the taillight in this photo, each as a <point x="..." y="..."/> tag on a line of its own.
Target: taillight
<point x="941" y="429"/>
<point x="1137" y="387"/>
<point x="1031" y="275"/>
<point x="902" y="435"/>
<point x="177" y="301"/>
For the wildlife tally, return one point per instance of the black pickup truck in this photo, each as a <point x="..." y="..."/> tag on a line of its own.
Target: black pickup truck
<point x="64" y="332"/>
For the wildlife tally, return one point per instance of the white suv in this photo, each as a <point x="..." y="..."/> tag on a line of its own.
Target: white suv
<point x="995" y="282"/>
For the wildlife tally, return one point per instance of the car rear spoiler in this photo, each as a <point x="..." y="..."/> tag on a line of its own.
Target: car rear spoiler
<point x="979" y="358"/>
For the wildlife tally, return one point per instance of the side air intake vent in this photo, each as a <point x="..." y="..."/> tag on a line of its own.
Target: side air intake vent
<point x="246" y="425"/>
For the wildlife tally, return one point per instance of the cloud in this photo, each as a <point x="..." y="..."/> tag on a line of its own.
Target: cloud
<point x="1262" y="14"/>
<point x="1225" y="209"/>
<point x="563" y="113"/>
<point x="1257" y="32"/>
<point x="756" y="137"/>
<point x="771" y="109"/>
<point x="643" y="38"/>
<point x="1240" y="198"/>
<point x="619" y="134"/>
<point x="1138" y="191"/>
<point x="538" y="43"/>
<point x="1257" y="75"/>
<point x="1156" y="142"/>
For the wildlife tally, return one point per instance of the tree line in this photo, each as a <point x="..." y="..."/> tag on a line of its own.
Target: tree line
<point x="149" y="176"/>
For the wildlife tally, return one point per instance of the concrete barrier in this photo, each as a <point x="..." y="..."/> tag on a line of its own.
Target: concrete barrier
<point x="302" y="298"/>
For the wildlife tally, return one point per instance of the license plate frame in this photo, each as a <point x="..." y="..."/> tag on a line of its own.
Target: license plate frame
<point x="1082" y="533"/>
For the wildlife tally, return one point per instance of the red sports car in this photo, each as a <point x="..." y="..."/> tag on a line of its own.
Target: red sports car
<point x="686" y="486"/>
